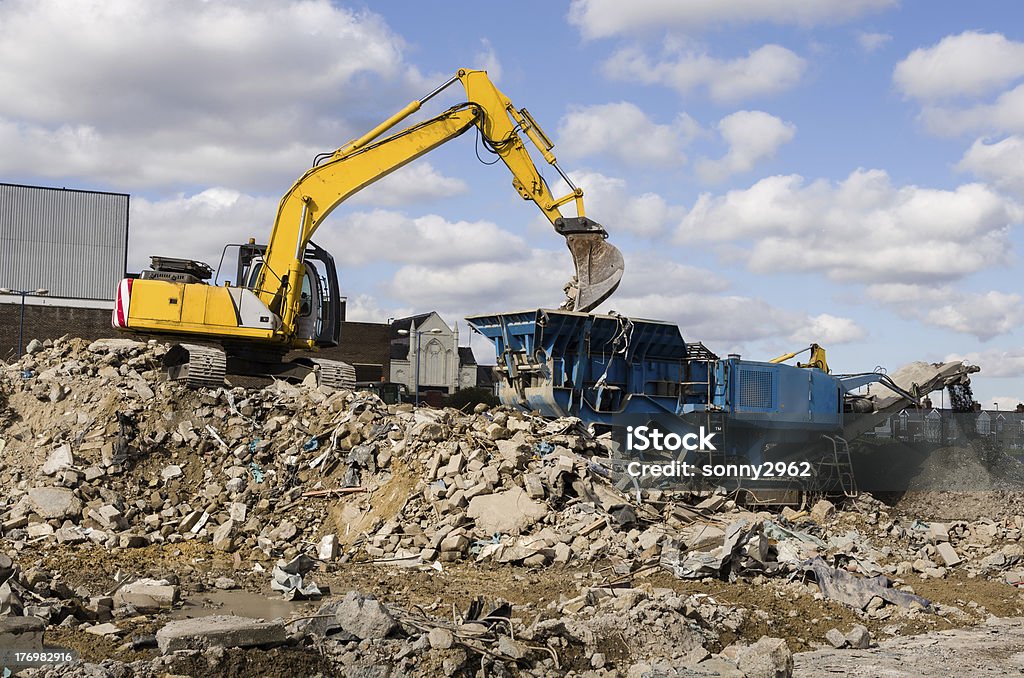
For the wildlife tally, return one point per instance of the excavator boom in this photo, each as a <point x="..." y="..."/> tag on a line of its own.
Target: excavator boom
<point x="357" y="164"/>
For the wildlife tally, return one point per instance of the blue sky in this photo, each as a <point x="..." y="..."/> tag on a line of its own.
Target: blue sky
<point x="776" y="172"/>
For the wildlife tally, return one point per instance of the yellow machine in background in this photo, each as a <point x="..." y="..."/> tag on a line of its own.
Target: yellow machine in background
<point x="286" y="293"/>
<point x="817" y="358"/>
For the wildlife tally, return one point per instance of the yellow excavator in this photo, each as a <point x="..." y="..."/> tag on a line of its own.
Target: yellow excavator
<point x="286" y="294"/>
<point x="818" y="358"/>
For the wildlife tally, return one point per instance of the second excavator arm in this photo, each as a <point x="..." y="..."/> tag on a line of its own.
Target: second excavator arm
<point x="818" y="358"/>
<point x="369" y="158"/>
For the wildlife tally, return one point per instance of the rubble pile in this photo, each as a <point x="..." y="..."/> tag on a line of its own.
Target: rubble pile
<point x="113" y="456"/>
<point x="303" y="493"/>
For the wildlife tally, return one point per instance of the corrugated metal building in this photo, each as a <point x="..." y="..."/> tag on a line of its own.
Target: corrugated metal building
<point x="72" y="243"/>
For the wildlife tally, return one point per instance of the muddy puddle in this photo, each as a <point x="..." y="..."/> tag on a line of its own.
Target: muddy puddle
<point x="243" y="604"/>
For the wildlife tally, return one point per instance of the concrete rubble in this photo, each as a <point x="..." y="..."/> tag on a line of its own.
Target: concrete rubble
<point x="219" y="631"/>
<point x="295" y="494"/>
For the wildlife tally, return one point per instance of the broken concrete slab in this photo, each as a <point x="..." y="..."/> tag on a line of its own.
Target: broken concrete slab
<point x="512" y="648"/>
<point x="836" y="638"/>
<point x="22" y="632"/>
<point x="225" y="583"/>
<point x="948" y="554"/>
<point x="107" y="629"/>
<point x="171" y="471"/>
<point x="36" y="530"/>
<point x="51" y="503"/>
<point x="237" y="511"/>
<point x="440" y="639"/>
<point x="327" y="549"/>
<point x="115" y="345"/>
<point x="59" y="459"/>
<point x="767" y="658"/>
<point x="938" y="532"/>
<point x="147" y="595"/>
<point x="108" y="517"/>
<point x="70" y="534"/>
<point x="356" y="616"/>
<point x="823" y="511"/>
<point x="364" y="616"/>
<point x="859" y="637"/>
<point x="223" y="537"/>
<point x="219" y="631"/>
<point x="534" y="486"/>
<point x="508" y="512"/>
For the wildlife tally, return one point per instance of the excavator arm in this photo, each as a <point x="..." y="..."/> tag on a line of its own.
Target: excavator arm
<point x="369" y="158"/>
<point x="818" y="358"/>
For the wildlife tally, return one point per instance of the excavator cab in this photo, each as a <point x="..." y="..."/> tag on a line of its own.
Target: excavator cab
<point x="320" y="310"/>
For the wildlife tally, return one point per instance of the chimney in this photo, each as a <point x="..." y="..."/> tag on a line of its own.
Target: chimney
<point x="926" y="403"/>
<point x="1020" y="408"/>
<point x="977" y="406"/>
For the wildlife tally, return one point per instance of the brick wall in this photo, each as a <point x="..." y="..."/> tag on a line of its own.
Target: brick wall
<point x="363" y="345"/>
<point x="50" y="322"/>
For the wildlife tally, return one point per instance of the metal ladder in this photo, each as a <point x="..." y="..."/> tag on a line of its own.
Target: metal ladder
<point x="843" y="465"/>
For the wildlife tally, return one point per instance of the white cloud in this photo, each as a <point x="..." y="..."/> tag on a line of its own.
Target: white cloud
<point x="176" y="58"/>
<point x="160" y="159"/>
<point x="968" y="64"/>
<point x="996" y="362"/>
<point x="999" y="162"/>
<point x="487" y="60"/>
<point x="1004" y="115"/>
<point x="983" y="315"/>
<point x="180" y="94"/>
<point x="828" y="330"/>
<point x="386" y="236"/>
<point x="418" y="182"/>
<point x="872" y="42"/>
<point x="604" y="18"/>
<point x="653" y="287"/>
<point x="695" y="299"/>
<point x="1004" y="403"/>
<point x="861" y="229"/>
<point x="712" y="318"/>
<point x="950" y="77"/>
<point x="909" y="295"/>
<point x="367" y="308"/>
<point x="196" y="226"/>
<point x="533" y="281"/>
<point x="650" y="272"/>
<point x="767" y="70"/>
<point x="609" y="202"/>
<point x="752" y="136"/>
<point x="623" y="131"/>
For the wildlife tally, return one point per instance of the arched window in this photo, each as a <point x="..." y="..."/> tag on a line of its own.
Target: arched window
<point x="983" y="424"/>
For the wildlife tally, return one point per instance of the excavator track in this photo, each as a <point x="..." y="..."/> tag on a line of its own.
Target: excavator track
<point x="196" y="365"/>
<point x="334" y="374"/>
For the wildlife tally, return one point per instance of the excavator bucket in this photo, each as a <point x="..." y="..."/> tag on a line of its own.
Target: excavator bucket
<point x="599" y="269"/>
<point x="598" y="265"/>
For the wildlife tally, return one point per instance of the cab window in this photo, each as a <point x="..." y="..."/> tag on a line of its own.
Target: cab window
<point x="306" y="297"/>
